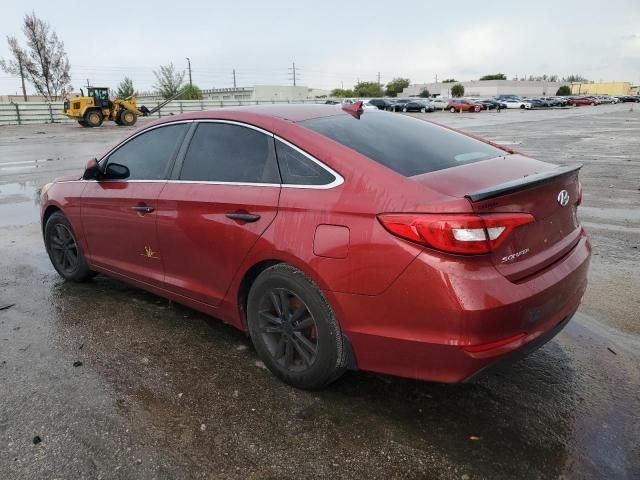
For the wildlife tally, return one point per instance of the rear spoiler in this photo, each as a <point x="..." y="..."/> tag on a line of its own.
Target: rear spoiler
<point x="522" y="183"/>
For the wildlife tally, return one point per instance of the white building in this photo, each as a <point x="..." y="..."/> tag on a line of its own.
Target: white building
<point x="487" y="88"/>
<point x="262" y="93"/>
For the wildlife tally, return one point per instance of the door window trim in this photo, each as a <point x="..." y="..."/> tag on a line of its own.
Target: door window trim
<point x="338" y="179"/>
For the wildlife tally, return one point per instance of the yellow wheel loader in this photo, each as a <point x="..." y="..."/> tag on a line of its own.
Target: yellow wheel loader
<point x="96" y="107"/>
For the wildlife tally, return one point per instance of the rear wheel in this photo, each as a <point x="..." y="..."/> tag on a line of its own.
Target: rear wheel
<point x="452" y="110"/>
<point x="293" y="328"/>
<point x="423" y="110"/>
<point x="404" y="109"/>
<point x="64" y="250"/>
<point x="93" y="118"/>
<point x="522" y="106"/>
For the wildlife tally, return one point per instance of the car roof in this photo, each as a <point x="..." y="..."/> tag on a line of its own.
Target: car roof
<point x="290" y="112"/>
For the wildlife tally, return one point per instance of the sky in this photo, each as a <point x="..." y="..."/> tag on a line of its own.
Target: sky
<point x="335" y="43"/>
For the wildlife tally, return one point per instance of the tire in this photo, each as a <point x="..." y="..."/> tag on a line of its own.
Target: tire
<point x="522" y="107"/>
<point x="423" y="110"/>
<point x="64" y="250"/>
<point x="301" y="344"/>
<point x="93" y="118"/>
<point x="127" y="118"/>
<point x="404" y="109"/>
<point x="476" y="109"/>
<point x="452" y="110"/>
<point x="83" y="123"/>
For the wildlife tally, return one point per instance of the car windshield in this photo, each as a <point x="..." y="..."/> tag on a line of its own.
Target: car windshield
<point x="406" y="145"/>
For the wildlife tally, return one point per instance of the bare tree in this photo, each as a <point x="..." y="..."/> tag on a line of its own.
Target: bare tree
<point x="44" y="62"/>
<point x="17" y="65"/>
<point x="168" y="81"/>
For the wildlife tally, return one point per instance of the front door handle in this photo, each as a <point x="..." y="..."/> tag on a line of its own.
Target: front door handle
<point x="143" y="209"/>
<point x="243" y="217"/>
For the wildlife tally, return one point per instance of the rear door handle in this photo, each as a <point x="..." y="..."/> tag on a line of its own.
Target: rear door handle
<point x="243" y="217"/>
<point x="143" y="209"/>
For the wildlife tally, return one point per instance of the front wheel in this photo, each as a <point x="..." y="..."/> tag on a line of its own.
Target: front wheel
<point x="64" y="250"/>
<point x="423" y="110"/>
<point x="93" y="118"/>
<point x="127" y="118"/>
<point x="294" y="329"/>
<point x="522" y="107"/>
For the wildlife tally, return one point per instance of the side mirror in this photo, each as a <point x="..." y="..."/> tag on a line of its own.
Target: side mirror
<point x="92" y="170"/>
<point x="115" y="171"/>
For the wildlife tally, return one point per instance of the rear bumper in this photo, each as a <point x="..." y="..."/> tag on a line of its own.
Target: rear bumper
<point x="444" y="320"/>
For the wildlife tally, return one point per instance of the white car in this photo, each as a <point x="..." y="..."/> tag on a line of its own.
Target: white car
<point x="513" y="103"/>
<point x="440" y="102"/>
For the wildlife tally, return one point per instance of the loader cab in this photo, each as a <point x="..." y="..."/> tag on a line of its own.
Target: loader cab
<point x="100" y="96"/>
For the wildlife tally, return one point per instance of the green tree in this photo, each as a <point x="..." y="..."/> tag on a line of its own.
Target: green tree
<point x="564" y="90"/>
<point x="457" y="90"/>
<point x="449" y="80"/>
<point x="191" y="92"/>
<point x="367" y="89"/>
<point x="396" y="86"/>
<point x="494" y="76"/>
<point x="341" y="93"/>
<point x="125" y="88"/>
<point x="424" y="93"/>
<point x="168" y="81"/>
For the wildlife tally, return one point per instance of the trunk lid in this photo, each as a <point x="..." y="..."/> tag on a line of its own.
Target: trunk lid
<point x="518" y="184"/>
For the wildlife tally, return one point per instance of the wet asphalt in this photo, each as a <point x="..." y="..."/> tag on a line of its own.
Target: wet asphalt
<point x="117" y="383"/>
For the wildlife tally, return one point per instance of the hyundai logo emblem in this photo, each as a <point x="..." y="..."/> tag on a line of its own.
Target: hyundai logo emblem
<point x="563" y="198"/>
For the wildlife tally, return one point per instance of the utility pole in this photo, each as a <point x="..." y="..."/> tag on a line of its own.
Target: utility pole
<point x="378" y="78"/>
<point x="293" y="70"/>
<point x="234" y="79"/>
<point x="189" y="64"/>
<point x="436" y="78"/>
<point x="87" y="83"/>
<point x="24" y="90"/>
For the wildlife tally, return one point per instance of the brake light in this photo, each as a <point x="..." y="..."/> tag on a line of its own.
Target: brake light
<point x="467" y="234"/>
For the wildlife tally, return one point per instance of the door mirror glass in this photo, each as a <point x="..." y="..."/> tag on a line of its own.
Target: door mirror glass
<point x="115" y="171"/>
<point x="92" y="170"/>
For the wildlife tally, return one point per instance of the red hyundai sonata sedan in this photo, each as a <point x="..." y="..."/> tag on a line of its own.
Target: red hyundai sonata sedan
<point x="337" y="239"/>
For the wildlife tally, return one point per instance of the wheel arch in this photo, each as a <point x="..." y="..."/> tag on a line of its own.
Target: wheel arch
<point x="50" y="210"/>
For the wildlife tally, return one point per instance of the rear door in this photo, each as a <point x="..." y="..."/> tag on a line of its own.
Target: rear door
<point x="119" y="216"/>
<point x="223" y="196"/>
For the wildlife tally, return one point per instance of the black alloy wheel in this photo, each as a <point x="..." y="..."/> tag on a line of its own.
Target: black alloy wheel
<point x="288" y="329"/>
<point x="64" y="250"/>
<point x="294" y="329"/>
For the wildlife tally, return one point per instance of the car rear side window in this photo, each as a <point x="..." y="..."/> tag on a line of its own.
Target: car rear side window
<point x="222" y="152"/>
<point x="298" y="169"/>
<point x="147" y="156"/>
<point x="405" y="145"/>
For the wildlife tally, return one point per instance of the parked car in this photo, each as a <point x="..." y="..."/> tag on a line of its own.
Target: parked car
<point x="517" y="103"/>
<point x="381" y="103"/>
<point x="440" y="102"/>
<point x="557" y="101"/>
<point x="399" y="103"/>
<point x="463" y="105"/>
<point x="304" y="225"/>
<point x="492" y="104"/>
<point x="628" y="98"/>
<point x="418" y="105"/>
<point x="367" y="105"/>
<point x="538" y="103"/>
<point x="577" y="101"/>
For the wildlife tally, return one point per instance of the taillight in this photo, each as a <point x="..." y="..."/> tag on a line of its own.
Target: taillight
<point x="467" y="234"/>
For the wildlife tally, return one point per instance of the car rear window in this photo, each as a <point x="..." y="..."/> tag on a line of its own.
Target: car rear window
<point x="406" y="145"/>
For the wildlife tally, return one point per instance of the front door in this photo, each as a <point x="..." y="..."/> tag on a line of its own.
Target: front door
<point x="222" y="200"/>
<point x="119" y="216"/>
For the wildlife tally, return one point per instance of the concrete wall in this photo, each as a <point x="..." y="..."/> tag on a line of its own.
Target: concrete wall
<point x="488" y="88"/>
<point x="33" y="113"/>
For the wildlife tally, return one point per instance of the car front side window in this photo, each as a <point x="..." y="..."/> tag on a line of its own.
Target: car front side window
<point x="147" y="156"/>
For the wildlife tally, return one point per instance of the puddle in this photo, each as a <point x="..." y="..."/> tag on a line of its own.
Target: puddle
<point x="19" y="204"/>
